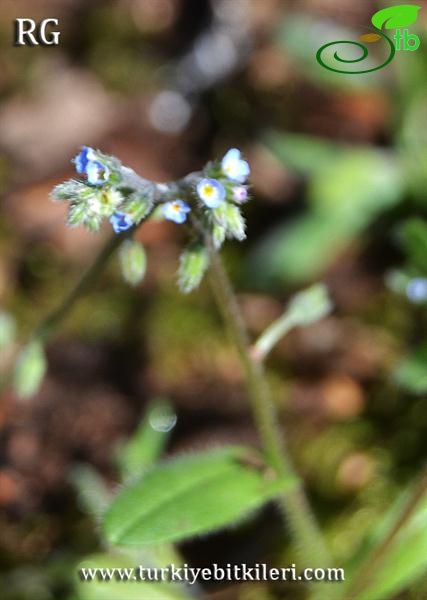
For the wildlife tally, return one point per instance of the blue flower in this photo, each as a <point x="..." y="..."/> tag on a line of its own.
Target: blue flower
<point x="234" y="167"/>
<point x="240" y="194"/>
<point x="97" y="173"/>
<point x="81" y="160"/>
<point x="121" y="222"/>
<point x="416" y="290"/>
<point x="211" y="192"/>
<point x="176" y="211"/>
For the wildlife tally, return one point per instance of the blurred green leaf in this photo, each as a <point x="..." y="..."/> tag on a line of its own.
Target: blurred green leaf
<point x="30" y="369"/>
<point x="412" y="135"/>
<point x="115" y="589"/>
<point x="148" y="442"/>
<point x="414" y="240"/>
<point x="303" y="153"/>
<point x="133" y="261"/>
<point x="188" y="496"/>
<point x="404" y="559"/>
<point x="411" y="373"/>
<point x="396" y="16"/>
<point x="345" y="196"/>
<point x="92" y="491"/>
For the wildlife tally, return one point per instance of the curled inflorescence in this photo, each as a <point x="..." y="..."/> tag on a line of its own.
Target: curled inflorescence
<point x="208" y="201"/>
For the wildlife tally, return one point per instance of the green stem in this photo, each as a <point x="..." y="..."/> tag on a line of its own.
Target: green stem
<point x="51" y="322"/>
<point x="293" y="501"/>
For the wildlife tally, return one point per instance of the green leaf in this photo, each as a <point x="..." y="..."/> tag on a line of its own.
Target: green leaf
<point x="122" y="590"/>
<point x="411" y="373"/>
<point x="147" y="443"/>
<point x="303" y="153"/>
<point x="395" y="17"/>
<point x="193" y="264"/>
<point x="345" y="195"/>
<point x="405" y="559"/>
<point x="30" y="369"/>
<point x="414" y="240"/>
<point x="188" y="496"/>
<point x="133" y="261"/>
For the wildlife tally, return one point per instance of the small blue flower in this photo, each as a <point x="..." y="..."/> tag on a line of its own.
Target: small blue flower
<point x="97" y="173"/>
<point x="240" y="194"/>
<point x="416" y="290"/>
<point x="176" y="211"/>
<point x="211" y="192"/>
<point x="121" y="222"/>
<point x="81" y="160"/>
<point x="234" y="167"/>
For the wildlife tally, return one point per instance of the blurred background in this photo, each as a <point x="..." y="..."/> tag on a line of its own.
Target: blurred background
<point x="339" y="179"/>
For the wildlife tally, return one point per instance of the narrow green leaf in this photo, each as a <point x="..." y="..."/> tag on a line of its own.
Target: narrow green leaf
<point x="189" y="496"/>
<point x="193" y="264"/>
<point x="411" y="372"/>
<point x="115" y="589"/>
<point x="404" y="559"/>
<point x="29" y="370"/>
<point x="414" y="239"/>
<point x="133" y="261"/>
<point x="395" y="17"/>
<point x="147" y="443"/>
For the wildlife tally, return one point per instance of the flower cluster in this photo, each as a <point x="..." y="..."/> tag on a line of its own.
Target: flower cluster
<point x="105" y="189"/>
<point x="101" y="193"/>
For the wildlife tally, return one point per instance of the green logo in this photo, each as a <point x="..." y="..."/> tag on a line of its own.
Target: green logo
<point x="394" y="17"/>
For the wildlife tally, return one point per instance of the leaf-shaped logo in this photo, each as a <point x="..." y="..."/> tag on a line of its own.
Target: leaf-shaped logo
<point x="370" y="37"/>
<point x="396" y="16"/>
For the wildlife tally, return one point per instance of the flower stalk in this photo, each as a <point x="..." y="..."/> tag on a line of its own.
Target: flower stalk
<point x="293" y="501"/>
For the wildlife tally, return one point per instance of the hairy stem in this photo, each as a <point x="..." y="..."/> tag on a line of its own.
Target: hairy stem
<point x="293" y="501"/>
